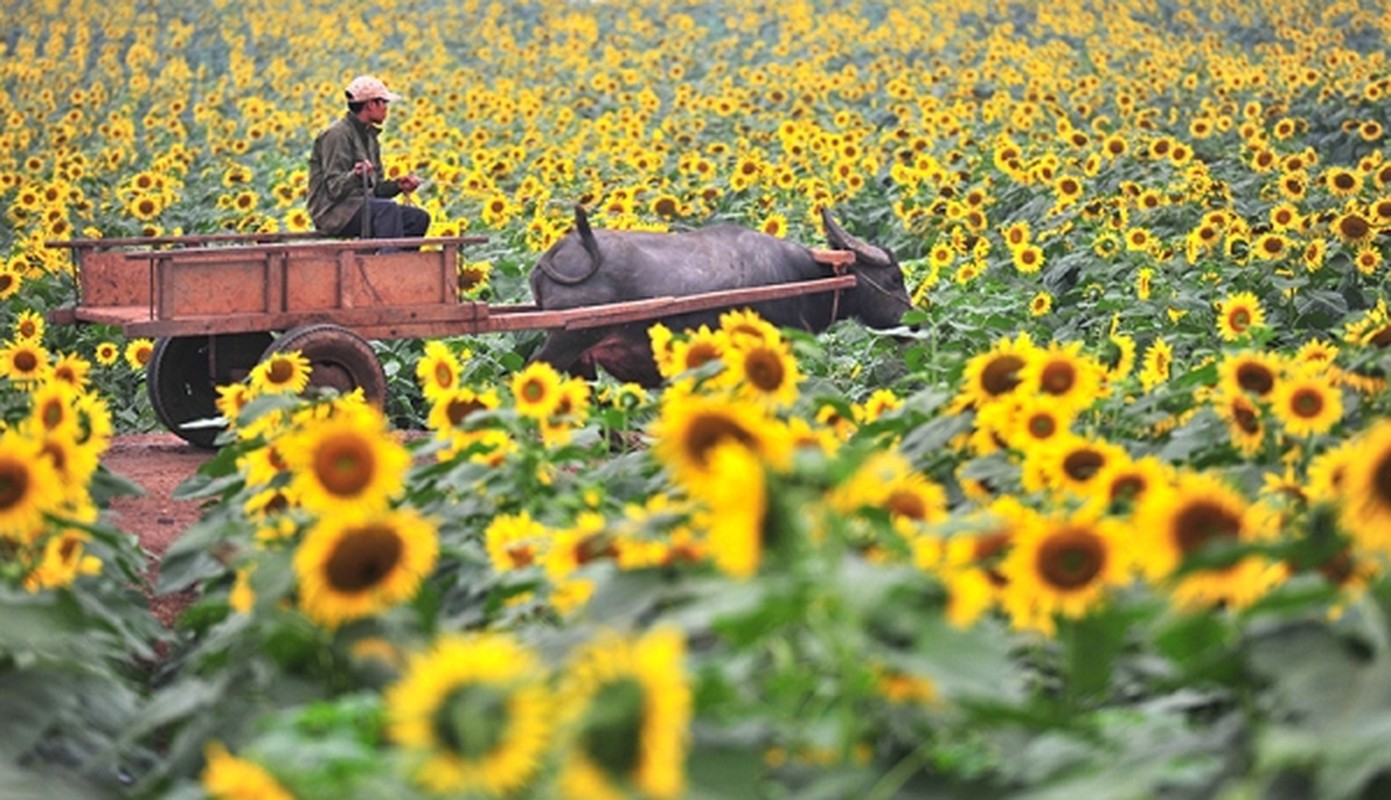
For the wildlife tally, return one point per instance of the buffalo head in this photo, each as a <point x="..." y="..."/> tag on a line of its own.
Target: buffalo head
<point x="880" y="297"/>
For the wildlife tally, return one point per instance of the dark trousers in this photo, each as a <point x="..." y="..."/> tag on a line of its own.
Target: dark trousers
<point x="390" y="220"/>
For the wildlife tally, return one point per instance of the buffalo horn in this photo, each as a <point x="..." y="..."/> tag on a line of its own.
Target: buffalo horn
<point x="839" y="239"/>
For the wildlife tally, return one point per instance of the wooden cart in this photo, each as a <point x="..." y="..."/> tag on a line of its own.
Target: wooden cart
<point x="219" y="304"/>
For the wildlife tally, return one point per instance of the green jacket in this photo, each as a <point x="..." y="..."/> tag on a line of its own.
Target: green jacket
<point x="335" y="193"/>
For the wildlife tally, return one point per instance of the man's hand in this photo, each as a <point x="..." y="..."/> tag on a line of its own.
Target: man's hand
<point x="408" y="183"/>
<point x="362" y="168"/>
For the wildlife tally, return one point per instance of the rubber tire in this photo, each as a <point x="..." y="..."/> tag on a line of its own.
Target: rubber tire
<point x="181" y="385"/>
<point x="338" y="358"/>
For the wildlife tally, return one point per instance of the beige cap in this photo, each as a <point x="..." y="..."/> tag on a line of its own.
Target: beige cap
<point x="366" y="87"/>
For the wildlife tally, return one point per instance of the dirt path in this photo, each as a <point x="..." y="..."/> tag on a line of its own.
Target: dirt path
<point x="158" y="463"/>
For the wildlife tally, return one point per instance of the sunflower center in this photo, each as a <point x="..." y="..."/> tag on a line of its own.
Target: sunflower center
<point x="611" y="733"/>
<point x="1082" y="465"/>
<point x="1246" y="420"/>
<point x="533" y="391"/>
<point x="458" y="410"/>
<point x="363" y="558"/>
<point x="765" y="371"/>
<point x="53" y="414"/>
<point x="1128" y="488"/>
<point x="344" y="466"/>
<point x="1001" y="375"/>
<point x="444" y="375"/>
<point x="1042" y="426"/>
<point x="1307" y="403"/>
<point x="14" y="484"/>
<point x="1240" y="319"/>
<point x="281" y="371"/>
<point x="1058" y="378"/>
<point x="25" y="361"/>
<point x="1201" y="522"/>
<point x="906" y="504"/>
<point x="472" y="721"/>
<point x="701" y="354"/>
<point x="1381" y="481"/>
<point x="1071" y="558"/>
<point x="1255" y="378"/>
<point x="710" y="430"/>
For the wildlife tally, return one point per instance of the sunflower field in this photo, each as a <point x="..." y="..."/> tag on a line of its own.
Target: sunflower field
<point x="1109" y="516"/>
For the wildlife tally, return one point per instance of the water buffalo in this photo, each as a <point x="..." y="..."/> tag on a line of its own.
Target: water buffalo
<point x="588" y="267"/>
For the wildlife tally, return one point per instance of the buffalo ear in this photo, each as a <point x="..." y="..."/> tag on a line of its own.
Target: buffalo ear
<point x="840" y="240"/>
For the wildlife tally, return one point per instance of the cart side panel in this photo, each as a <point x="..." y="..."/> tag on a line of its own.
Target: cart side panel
<point x="311" y="282"/>
<point x="232" y="286"/>
<point x="108" y="278"/>
<point x="402" y="279"/>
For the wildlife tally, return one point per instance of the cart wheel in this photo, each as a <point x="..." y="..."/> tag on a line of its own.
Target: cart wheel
<point x="184" y="373"/>
<point x="338" y="358"/>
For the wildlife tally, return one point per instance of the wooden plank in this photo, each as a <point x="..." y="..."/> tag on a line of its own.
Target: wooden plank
<point x="112" y="315"/>
<point x="514" y="318"/>
<point x="193" y="239"/>
<point x="325" y="246"/>
<point x="386" y="322"/>
<point x="108" y="279"/>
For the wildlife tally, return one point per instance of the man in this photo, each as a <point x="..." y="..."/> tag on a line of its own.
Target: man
<point x="347" y="164"/>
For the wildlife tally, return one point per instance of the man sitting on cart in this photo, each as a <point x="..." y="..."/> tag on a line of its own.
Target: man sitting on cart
<point x="348" y="193"/>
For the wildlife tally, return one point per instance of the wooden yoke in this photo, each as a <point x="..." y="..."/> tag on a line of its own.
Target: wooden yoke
<point x="837" y="260"/>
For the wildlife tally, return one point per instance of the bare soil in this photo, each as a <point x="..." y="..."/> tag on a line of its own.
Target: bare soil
<point x="158" y="463"/>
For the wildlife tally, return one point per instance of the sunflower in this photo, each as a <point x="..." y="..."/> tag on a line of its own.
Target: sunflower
<point x="24" y="362"/>
<point x="1307" y="404"/>
<point x="1238" y="314"/>
<point x="1313" y="254"/>
<point x="29" y="485"/>
<point x="1069" y="463"/>
<point x="11" y="279"/>
<point x="28" y="326"/>
<point x="696" y="349"/>
<point x="515" y="541"/>
<point x="286" y="372"/>
<point x="1368" y="260"/>
<point x="1031" y="423"/>
<point x="536" y="390"/>
<point x="745" y="324"/>
<point x="1341" y="181"/>
<point x="994" y="374"/>
<point x="473" y="714"/>
<point x="1119" y="360"/>
<point x="451" y="408"/>
<point x="628" y="722"/>
<point x="691" y="426"/>
<point x="231" y="400"/>
<point x="1245" y="422"/>
<point x="1027" y="258"/>
<point x="1254" y="372"/>
<point x="1199" y="513"/>
<point x="1157" y="362"/>
<point x="438" y="370"/>
<point x="1041" y="304"/>
<point x="968" y="563"/>
<point x="226" y="777"/>
<point x="352" y="566"/>
<point x="1062" y="567"/>
<point x="138" y="352"/>
<point x="1270" y="247"/>
<point x="1062" y="375"/>
<point x="345" y="463"/>
<point x="1365" y="487"/>
<point x="1353" y="229"/>
<point x="1123" y="484"/>
<point x="734" y="510"/>
<point x="763" y="371"/>
<point x="65" y="558"/>
<point x="107" y="353"/>
<point x="72" y="370"/>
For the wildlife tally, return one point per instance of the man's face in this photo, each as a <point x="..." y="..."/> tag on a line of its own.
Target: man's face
<point x="376" y="111"/>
